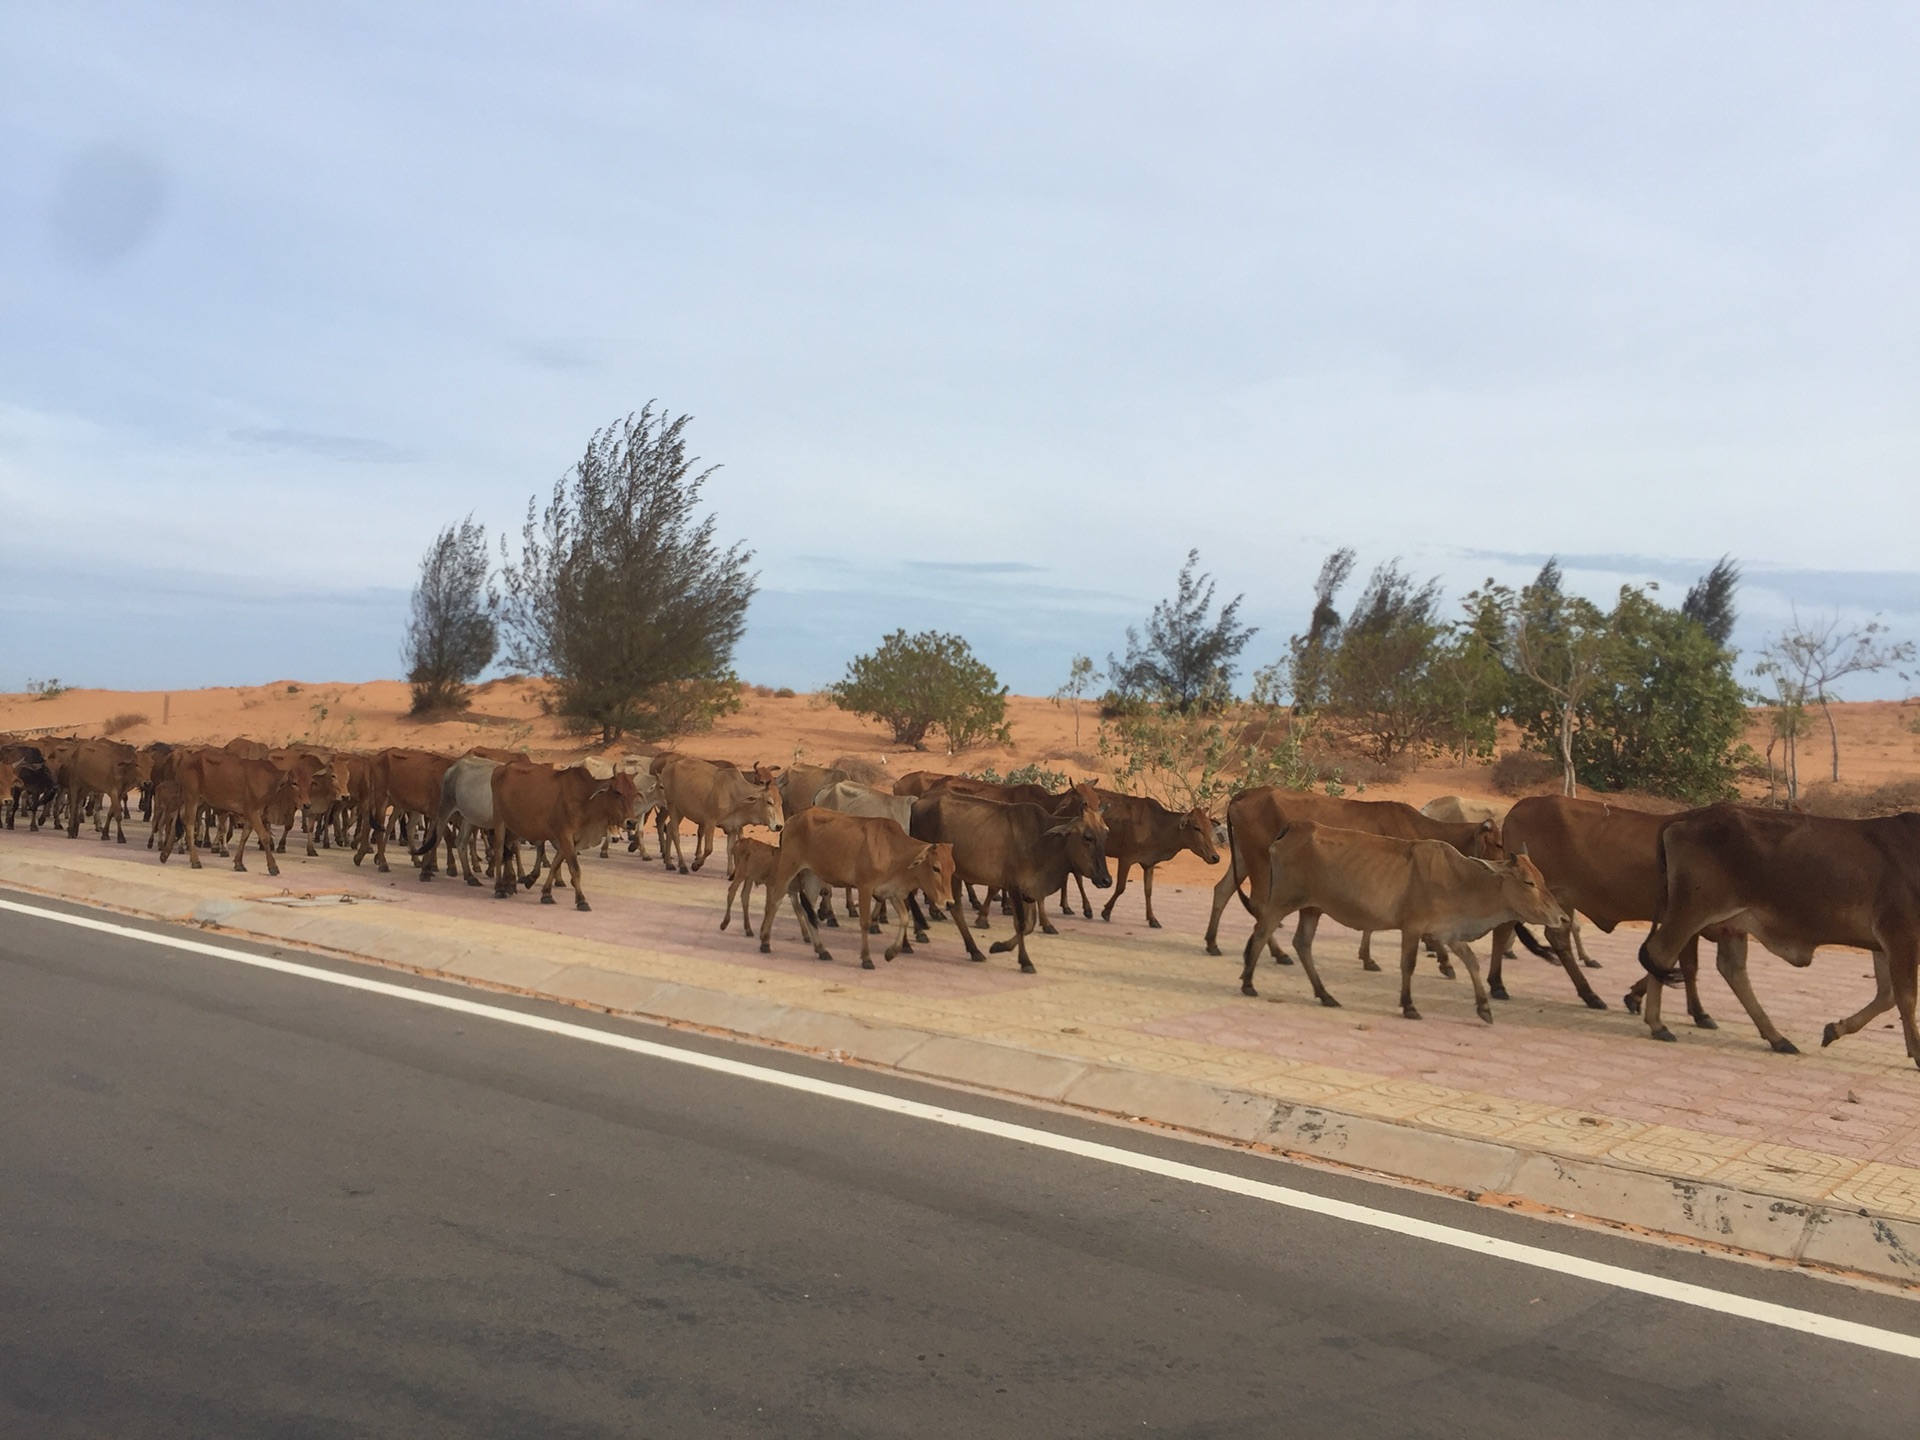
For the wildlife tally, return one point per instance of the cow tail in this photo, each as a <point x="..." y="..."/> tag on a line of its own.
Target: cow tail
<point x="1233" y="863"/>
<point x="1665" y="977"/>
<point x="1534" y="947"/>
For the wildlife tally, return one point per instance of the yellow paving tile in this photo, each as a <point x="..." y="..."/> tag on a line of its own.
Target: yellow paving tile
<point x="1787" y="1170"/>
<point x="1669" y="1149"/>
<point x="1883" y="1189"/>
<point x="1574" y="1132"/>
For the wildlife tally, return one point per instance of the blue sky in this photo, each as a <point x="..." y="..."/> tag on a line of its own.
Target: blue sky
<point x="988" y="313"/>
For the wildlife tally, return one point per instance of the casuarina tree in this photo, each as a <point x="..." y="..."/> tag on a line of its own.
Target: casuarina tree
<point x="1186" y="660"/>
<point x="451" y="636"/>
<point x="622" y="595"/>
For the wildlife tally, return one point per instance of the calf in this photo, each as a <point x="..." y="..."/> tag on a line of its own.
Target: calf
<point x="105" y="768"/>
<point x="1381" y="882"/>
<point x="539" y="804"/>
<point x="408" y="782"/>
<point x="1146" y="833"/>
<point x="1018" y="849"/>
<point x="868" y="854"/>
<point x="749" y="863"/>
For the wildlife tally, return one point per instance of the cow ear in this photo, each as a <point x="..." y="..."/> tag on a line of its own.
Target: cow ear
<point x="1065" y="827"/>
<point x="1521" y="850"/>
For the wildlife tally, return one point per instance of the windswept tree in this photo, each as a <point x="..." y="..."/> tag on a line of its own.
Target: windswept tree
<point x="1186" y="660"/>
<point x="451" y="636"/>
<point x="1379" y="677"/>
<point x="621" y="594"/>
<point x="1082" y="676"/>
<point x="1307" y="655"/>
<point x="1709" y="602"/>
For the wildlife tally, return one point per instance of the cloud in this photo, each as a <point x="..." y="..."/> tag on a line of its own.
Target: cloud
<point x="106" y="203"/>
<point x="351" y="449"/>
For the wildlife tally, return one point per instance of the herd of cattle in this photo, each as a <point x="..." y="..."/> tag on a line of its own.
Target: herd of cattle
<point x="1442" y="877"/>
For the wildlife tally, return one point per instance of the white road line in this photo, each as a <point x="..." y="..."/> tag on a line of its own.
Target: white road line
<point x="1808" y="1322"/>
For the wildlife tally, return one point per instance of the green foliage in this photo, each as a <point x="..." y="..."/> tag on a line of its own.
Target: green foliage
<point x="451" y="636"/>
<point x="1303" y="674"/>
<point x="1178" y="759"/>
<point x="1288" y="764"/>
<point x="1186" y="660"/>
<point x="1379" y="682"/>
<point x="1709" y="602"/>
<point x="46" y="689"/>
<point x="1034" y="774"/>
<point x="1081" y="678"/>
<point x="914" y="684"/>
<point x="621" y="594"/>
<point x="1669" y="714"/>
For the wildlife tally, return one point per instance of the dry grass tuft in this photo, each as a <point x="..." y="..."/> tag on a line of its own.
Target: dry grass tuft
<point x="124" y="721"/>
<point x="1893" y="798"/>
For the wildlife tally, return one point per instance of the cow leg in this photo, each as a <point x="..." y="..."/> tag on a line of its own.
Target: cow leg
<point x="1502" y="948"/>
<point x="1690" y="976"/>
<point x="73" y="812"/>
<point x="703" y="846"/>
<point x="1441" y="958"/>
<point x="1650" y="1008"/>
<point x="312" y="829"/>
<point x="1903" y="961"/>
<point x="1409" y="957"/>
<point x="1580" y="947"/>
<point x="866" y="927"/>
<point x="1040" y="909"/>
<point x="1086" y="905"/>
<point x="120" y="817"/>
<point x="1366" y="951"/>
<point x="1730" y="959"/>
<point x="911" y="906"/>
<point x="1482" y="1003"/>
<point x="1022" y="923"/>
<point x="1559" y="946"/>
<point x="573" y="869"/>
<point x="900" y="944"/>
<point x="957" y="912"/>
<point x="1883" y="1001"/>
<point x="1119" y="888"/>
<point x="1146" y="888"/>
<point x="1303" y="933"/>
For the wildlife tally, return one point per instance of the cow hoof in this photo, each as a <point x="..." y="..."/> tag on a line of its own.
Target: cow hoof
<point x="1447" y="973"/>
<point x="195" y="864"/>
<point x="1594" y="1002"/>
<point x="1409" y="1012"/>
<point x="1829" y="1035"/>
<point x="1591" y="964"/>
<point x="1662" y="1034"/>
<point x="723" y="923"/>
<point x="765" y="948"/>
<point x="1026" y="968"/>
<point x="580" y="902"/>
<point x="1364" y="965"/>
<point x="1248" y="990"/>
<point x="1704" y="1021"/>
<point x="1086" y="911"/>
<point x="1498" y="992"/>
<point x="1784" y="1046"/>
<point x="683" y="869"/>
<point x="1632" y="1002"/>
<point x="866" y="962"/>
<point x="425" y="875"/>
<point x="976" y="957"/>
<point x="240" y="866"/>
<point x="546" y="897"/>
<point x="1048" y="930"/>
<point x="473" y="882"/>
<point x="1485" y="1012"/>
<point x="1326" y="1000"/>
<point x="382" y="867"/>
<point x="874" y="928"/>
<point x="824" y="956"/>
<point x="1285" y="959"/>
<point x="920" y="937"/>
<point x="1001" y="947"/>
<point x="1212" y="949"/>
<point x="831" y="921"/>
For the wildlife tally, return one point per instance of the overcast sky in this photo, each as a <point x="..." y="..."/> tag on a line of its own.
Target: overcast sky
<point x="988" y="313"/>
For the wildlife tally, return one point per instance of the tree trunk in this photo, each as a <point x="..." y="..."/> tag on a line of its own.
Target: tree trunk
<point x="1833" y="733"/>
<point x="1567" y="786"/>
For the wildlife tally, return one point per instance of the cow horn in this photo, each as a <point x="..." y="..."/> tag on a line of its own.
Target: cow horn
<point x="1521" y="849"/>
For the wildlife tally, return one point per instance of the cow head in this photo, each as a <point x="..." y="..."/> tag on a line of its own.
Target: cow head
<point x="1086" y="844"/>
<point x="1523" y="890"/>
<point x="1203" y="835"/>
<point x="762" y="807"/>
<point x="932" y="870"/>
<point x="1486" y="842"/>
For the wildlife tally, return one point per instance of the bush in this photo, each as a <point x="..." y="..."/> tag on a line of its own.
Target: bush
<point x="1186" y="660"/>
<point x="47" y="689"/>
<point x="1896" y="797"/>
<point x="1523" y="772"/>
<point x="1034" y="774"/>
<point x="915" y="684"/>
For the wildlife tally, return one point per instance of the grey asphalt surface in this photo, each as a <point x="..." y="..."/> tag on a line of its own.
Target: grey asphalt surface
<point x="235" y="1203"/>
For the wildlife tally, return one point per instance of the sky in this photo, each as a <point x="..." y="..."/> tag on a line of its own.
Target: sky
<point x="988" y="314"/>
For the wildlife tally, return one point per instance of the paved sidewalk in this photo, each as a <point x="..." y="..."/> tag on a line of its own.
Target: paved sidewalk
<point x="1714" y="1137"/>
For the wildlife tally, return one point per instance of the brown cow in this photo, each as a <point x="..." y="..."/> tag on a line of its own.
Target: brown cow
<point x="870" y="855"/>
<point x="1794" y="883"/>
<point x="1380" y="882"/>
<point x="408" y="782"/>
<point x="1146" y="833"/>
<point x="247" y="749"/>
<point x="229" y="784"/>
<point x="539" y="804"/>
<point x="326" y="782"/>
<point x="1019" y="849"/>
<point x="713" y="795"/>
<point x="1601" y="860"/>
<point x="1255" y="819"/>
<point x="104" y="768"/>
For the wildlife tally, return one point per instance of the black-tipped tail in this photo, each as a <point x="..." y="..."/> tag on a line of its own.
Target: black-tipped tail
<point x="1534" y="947"/>
<point x="1665" y="977"/>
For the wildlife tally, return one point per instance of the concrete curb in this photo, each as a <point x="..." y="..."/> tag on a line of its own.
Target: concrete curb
<point x="1750" y="1223"/>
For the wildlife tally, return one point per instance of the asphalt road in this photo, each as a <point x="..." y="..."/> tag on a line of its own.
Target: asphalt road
<point x="235" y="1203"/>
